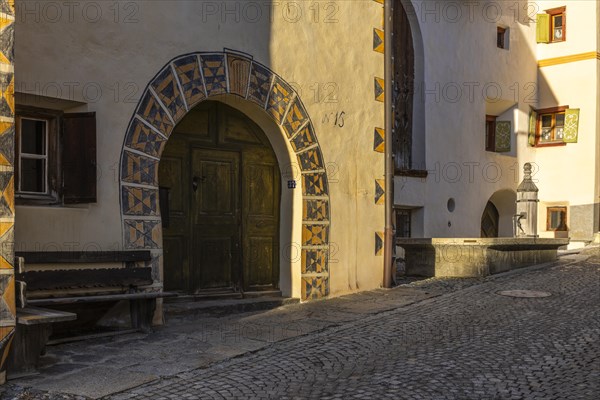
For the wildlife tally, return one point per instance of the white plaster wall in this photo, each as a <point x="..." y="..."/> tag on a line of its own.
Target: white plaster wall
<point x="316" y="49"/>
<point x="463" y="70"/>
<point x="569" y="175"/>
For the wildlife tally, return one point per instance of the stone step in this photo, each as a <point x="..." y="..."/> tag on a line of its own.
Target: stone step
<point x="224" y="306"/>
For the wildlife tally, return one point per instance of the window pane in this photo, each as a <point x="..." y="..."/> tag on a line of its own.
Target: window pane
<point x="558" y="21"/>
<point x="33" y="175"/>
<point x="33" y="136"/>
<point x="560" y="120"/>
<point x="546" y="134"/>
<point x="547" y="121"/>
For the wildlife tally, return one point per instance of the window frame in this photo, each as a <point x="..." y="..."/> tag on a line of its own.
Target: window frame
<point x="407" y="212"/>
<point x="562" y="210"/>
<point x="52" y="195"/>
<point x="501" y="36"/>
<point x="490" y="133"/>
<point x="555" y="12"/>
<point x="538" y="126"/>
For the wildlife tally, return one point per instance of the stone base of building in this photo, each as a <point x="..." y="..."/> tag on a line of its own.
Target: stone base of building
<point x="476" y="257"/>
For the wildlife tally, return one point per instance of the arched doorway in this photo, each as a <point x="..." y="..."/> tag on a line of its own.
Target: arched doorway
<point x="180" y="86"/>
<point x="220" y="192"/>
<point x="489" y="221"/>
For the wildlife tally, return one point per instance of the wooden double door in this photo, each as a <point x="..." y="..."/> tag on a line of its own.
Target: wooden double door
<point x="220" y="194"/>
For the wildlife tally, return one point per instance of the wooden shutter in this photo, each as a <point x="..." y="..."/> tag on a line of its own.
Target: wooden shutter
<point x="533" y="115"/>
<point x="543" y="28"/>
<point x="79" y="158"/>
<point x="571" y="125"/>
<point x="502" y="137"/>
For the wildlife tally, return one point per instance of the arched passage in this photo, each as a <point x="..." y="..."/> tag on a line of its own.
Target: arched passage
<point x="500" y="209"/>
<point x="181" y="85"/>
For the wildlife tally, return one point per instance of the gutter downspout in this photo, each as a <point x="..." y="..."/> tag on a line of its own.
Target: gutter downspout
<point x="389" y="162"/>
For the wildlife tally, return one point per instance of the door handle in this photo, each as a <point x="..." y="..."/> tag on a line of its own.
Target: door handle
<point x="196" y="181"/>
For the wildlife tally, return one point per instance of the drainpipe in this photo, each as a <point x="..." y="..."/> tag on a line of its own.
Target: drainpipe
<point x="389" y="162"/>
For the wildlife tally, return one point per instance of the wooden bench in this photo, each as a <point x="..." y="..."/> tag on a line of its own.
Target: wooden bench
<point x="97" y="284"/>
<point x="54" y="287"/>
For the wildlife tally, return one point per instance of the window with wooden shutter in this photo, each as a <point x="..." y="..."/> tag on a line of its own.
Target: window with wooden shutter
<point x="551" y="27"/>
<point x="554" y="126"/>
<point x="79" y="158"/>
<point x="36" y="163"/>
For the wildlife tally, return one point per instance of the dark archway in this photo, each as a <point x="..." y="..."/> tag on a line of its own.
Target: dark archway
<point x="489" y="221"/>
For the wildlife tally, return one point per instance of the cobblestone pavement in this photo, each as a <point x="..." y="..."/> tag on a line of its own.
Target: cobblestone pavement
<point x="469" y="343"/>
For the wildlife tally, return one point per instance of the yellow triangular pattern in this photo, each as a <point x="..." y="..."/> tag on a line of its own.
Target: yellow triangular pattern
<point x="9" y="296"/>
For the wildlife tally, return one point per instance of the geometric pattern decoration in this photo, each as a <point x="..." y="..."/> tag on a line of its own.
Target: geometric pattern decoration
<point x="279" y="99"/>
<point x="378" y="243"/>
<point x="167" y="90"/>
<point x="378" y="40"/>
<point x="379" y="191"/>
<point x="315" y="235"/>
<point x="188" y="73"/>
<point x="313" y="260"/>
<point x="295" y="118"/>
<point x="311" y="159"/>
<point x="7" y="196"/>
<point x="379" y="89"/>
<point x="7" y="143"/>
<point x="215" y="79"/>
<point x="7" y="288"/>
<point x="180" y="85"/>
<point x="315" y="287"/>
<point x="142" y="138"/>
<point x="151" y="111"/>
<point x="142" y="234"/>
<point x="303" y="139"/>
<point x="7" y="249"/>
<point x="314" y="184"/>
<point x="138" y="169"/>
<point x="7" y="97"/>
<point x="260" y="84"/>
<point x="139" y="201"/>
<point x="379" y="140"/>
<point x="315" y="210"/>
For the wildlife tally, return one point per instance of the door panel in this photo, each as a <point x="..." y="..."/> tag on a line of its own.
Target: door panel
<point x="260" y="231"/>
<point x="223" y="185"/>
<point x="173" y="172"/>
<point x="215" y="207"/>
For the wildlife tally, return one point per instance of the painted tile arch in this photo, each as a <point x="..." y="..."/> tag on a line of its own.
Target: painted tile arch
<point x="180" y="85"/>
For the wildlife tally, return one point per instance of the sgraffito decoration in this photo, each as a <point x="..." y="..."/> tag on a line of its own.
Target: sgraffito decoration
<point x="7" y="203"/>
<point x="182" y="84"/>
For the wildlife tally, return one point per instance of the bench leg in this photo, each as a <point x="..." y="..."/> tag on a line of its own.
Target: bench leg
<point x="142" y="312"/>
<point x="29" y="344"/>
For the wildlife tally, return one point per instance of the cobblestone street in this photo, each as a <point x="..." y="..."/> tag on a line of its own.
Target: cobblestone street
<point x="470" y="343"/>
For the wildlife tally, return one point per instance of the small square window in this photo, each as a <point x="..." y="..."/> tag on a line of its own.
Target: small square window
<point x="556" y="219"/>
